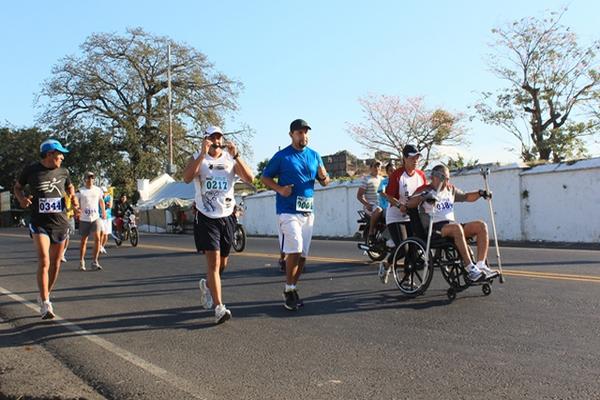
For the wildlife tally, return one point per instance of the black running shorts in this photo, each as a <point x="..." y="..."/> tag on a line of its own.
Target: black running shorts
<point x="56" y="234"/>
<point x="214" y="234"/>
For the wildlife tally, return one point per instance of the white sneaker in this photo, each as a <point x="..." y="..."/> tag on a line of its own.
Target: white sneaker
<point x="474" y="274"/>
<point x="384" y="272"/>
<point x="63" y="258"/>
<point x="206" y="300"/>
<point x="489" y="273"/>
<point x="222" y="314"/>
<point x="82" y="265"/>
<point x="46" y="310"/>
<point x="96" y="265"/>
<point x="102" y="250"/>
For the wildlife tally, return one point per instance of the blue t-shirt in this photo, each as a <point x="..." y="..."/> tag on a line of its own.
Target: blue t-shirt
<point x="298" y="168"/>
<point x="107" y="199"/>
<point x="383" y="202"/>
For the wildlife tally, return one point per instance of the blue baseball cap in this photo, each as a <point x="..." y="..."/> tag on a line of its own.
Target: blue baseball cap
<point x="52" y="145"/>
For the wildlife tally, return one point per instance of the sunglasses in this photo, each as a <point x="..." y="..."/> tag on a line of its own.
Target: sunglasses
<point x="217" y="146"/>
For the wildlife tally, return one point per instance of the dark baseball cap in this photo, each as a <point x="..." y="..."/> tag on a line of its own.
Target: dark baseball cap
<point x="410" y="151"/>
<point x="298" y="124"/>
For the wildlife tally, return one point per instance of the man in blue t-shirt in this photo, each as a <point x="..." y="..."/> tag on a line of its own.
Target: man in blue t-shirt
<point x="296" y="167"/>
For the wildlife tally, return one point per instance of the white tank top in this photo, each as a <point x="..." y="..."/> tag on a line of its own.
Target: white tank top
<point x="214" y="185"/>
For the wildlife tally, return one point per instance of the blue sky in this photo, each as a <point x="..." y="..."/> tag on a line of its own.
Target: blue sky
<point x="309" y="59"/>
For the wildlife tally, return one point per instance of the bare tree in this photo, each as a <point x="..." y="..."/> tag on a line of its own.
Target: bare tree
<point x="119" y="85"/>
<point x="550" y="77"/>
<point x="391" y="122"/>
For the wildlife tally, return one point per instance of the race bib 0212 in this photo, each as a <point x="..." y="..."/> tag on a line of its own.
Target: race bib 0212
<point x="50" y="205"/>
<point x="304" y="204"/>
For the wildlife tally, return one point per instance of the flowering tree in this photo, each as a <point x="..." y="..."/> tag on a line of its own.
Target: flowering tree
<point x="390" y="123"/>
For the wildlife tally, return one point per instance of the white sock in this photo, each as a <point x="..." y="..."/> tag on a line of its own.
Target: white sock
<point x="289" y="288"/>
<point x="481" y="264"/>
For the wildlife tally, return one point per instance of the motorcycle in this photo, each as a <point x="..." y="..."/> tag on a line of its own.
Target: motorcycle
<point x="129" y="231"/>
<point x="239" y="234"/>
<point x="378" y="248"/>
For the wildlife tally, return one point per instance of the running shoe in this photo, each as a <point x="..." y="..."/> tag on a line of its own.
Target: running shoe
<point x="96" y="265"/>
<point x="46" y="310"/>
<point x="475" y="274"/>
<point x="299" y="301"/>
<point x="489" y="273"/>
<point x="222" y="314"/>
<point x="384" y="272"/>
<point x="206" y="300"/>
<point x="82" y="265"/>
<point x="290" y="302"/>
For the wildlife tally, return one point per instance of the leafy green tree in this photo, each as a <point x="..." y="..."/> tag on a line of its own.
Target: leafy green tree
<point x="115" y="92"/>
<point x="20" y="147"/>
<point x="551" y="80"/>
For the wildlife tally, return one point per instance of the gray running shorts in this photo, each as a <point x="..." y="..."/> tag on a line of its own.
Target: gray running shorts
<point x="87" y="227"/>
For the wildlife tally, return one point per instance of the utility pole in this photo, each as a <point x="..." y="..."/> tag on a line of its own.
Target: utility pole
<point x="171" y="168"/>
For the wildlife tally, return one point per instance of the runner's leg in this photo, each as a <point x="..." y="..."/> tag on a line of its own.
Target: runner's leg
<point x="42" y="246"/>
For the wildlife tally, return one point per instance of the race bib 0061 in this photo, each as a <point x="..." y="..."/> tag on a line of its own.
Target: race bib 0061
<point x="50" y="205"/>
<point x="304" y="204"/>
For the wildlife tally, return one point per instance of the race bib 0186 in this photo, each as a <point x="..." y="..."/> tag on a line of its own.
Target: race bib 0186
<point x="304" y="204"/>
<point x="50" y="205"/>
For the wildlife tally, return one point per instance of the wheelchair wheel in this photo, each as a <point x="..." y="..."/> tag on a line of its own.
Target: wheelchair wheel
<point x="451" y="267"/>
<point x="451" y="293"/>
<point x="486" y="289"/>
<point x="412" y="274"/>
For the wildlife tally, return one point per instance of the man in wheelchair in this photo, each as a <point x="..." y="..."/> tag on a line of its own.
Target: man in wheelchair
<point x="437" y="200"/>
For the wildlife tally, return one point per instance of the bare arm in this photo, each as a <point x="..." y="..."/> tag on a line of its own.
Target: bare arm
<point x="192" y="168"/>
<point x="241" y="169"/>
<point x="323" y="176"/>
<point x="285" y="191"/>
<point x="24" y="201"/>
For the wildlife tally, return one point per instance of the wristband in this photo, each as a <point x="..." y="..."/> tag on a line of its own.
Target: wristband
<point x="236" y="156"/>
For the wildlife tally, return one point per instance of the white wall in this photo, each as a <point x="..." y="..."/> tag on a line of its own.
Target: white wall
<point x="554" y="202"/>
<point x="335" y="211"/>
<point x="562" y="206"/>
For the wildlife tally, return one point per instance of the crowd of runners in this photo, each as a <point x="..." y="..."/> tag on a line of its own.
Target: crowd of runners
<point x="214" y="169"/>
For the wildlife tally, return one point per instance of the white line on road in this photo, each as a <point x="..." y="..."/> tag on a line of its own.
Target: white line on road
<point x="166" y="376"/>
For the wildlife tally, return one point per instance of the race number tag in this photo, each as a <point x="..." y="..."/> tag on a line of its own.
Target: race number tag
<point x="304" y="204"/>
<point x="218" y="183"/>
<point x="90" y="212"/>
<point x="50" y="205"/>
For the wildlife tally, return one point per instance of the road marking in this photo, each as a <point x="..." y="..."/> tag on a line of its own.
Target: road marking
<point x="506" y="271"/>
<point x="164" y="375"/>
<point x="336" y="260"/>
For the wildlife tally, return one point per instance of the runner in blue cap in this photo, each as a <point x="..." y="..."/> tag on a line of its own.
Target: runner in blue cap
<point x="47" y="183"/>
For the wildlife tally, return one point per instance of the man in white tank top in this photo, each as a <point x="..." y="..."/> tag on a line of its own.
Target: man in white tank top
<point x="444" y="222"/>
<point x="213" y="169"/>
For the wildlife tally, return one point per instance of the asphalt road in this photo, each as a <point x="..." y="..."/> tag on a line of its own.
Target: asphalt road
<point x="135" y="329"/>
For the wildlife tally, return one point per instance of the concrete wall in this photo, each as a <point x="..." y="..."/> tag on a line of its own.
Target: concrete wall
<point x="554" y="202"/>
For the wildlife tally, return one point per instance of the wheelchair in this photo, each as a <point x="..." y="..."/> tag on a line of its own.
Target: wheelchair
<point x="414" y="262"/>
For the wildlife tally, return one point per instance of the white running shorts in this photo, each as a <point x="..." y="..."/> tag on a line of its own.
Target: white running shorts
<point x="295" y="233"/>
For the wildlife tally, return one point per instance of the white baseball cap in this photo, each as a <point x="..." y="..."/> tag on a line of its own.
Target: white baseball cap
<point x="211" y="130"/>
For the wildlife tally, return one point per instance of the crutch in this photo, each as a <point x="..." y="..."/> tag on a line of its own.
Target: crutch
<point x="485" y="172"/>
